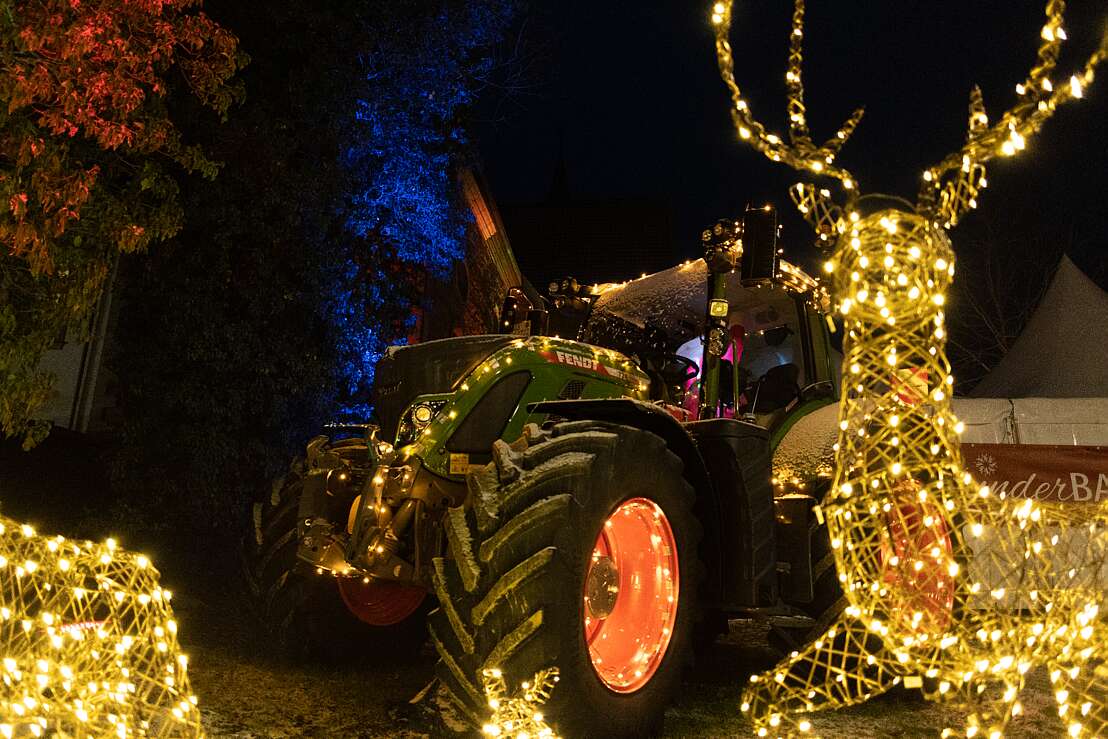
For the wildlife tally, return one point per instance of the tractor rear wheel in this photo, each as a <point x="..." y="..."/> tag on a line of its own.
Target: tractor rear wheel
<point x="319" y="617"/>
<point x="578" y="552"/>
<point x="828" y="600"/>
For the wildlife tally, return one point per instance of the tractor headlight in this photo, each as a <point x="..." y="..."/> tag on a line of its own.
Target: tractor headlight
<point x="417" y="418"/>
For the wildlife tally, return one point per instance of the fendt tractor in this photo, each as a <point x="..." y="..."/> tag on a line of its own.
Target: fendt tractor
<point x="602" y="506"/>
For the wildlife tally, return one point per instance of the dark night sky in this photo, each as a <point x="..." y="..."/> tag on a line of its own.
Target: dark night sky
<point x="630" y="92"/>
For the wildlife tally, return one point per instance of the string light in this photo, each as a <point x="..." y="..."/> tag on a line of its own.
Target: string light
<point x="90" y="644"/>
<point x="949" y="586"/>
<point x="519" y="716"/>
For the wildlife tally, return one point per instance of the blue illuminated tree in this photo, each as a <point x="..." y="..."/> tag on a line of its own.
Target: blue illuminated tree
<point x="423" y="73"/>
<point x="304" y="260"/>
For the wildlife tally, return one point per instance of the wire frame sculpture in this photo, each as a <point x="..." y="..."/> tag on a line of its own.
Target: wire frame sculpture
<point x="518" y="715"/>
<point x="951" y="587"/>
<point x="89" y="642"/>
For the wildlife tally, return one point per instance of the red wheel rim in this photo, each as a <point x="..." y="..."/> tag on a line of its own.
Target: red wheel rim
<point x="917" y="559"/>
<point x="631" y="595"/>
<point x="380" y="602"/>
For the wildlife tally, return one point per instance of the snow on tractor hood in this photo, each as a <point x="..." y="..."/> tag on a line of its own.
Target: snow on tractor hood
<point x="675" y="298"/>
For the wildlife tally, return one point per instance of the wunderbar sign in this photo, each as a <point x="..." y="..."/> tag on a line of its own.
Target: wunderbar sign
<point x="1045" y="472"/>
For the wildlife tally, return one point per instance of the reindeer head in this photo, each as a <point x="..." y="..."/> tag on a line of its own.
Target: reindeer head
<point x="891" y="268"/>
<point x="950" y="187"/>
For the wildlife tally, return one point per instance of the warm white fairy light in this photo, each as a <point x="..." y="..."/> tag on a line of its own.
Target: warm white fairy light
<point x="945" y="581"/>
<point x="89" y="642"/>
<point x="520" y="715"/>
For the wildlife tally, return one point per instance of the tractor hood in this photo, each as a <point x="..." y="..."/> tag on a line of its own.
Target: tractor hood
<point x="424" y="369"/>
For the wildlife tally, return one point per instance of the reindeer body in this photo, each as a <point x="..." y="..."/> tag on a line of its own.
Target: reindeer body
<point x="897" y="448"/>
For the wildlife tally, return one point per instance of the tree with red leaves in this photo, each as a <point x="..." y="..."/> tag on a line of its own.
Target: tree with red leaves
<point x="88" y="156"/>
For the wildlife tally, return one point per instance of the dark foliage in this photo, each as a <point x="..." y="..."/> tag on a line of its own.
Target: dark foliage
<point x="301" y="263"/>
<point x="422" y="67"/>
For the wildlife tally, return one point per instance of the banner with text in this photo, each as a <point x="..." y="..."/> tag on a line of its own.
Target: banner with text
<point x="1057" y="473"/>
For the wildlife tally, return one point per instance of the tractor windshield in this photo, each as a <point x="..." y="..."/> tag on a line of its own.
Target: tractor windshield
<point x="773" y="345"/>
<point x="759" y="351"/>
<point x="663" y="315"/>
<point x="767" y="344"/>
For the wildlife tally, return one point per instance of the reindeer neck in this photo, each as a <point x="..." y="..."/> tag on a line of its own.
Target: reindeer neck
<point x="892" y="270"/>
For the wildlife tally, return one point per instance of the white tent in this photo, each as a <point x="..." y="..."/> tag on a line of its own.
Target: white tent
<point x="1063" y="350"/>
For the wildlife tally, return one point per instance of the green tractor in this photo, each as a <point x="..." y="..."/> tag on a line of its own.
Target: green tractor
<point x="602" y="506"/>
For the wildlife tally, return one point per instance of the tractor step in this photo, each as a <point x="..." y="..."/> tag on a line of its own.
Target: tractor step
<point x="781" y="616"/>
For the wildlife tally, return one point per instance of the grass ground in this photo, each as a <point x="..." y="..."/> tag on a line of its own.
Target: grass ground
<point x="246" y="692"/>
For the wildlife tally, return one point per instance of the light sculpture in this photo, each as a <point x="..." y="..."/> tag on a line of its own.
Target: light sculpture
<point x="89" y="644"/>
<point x="950" y="587"/>
<point x="518" y="716"/>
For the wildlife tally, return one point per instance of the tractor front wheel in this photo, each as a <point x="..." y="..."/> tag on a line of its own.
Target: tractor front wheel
<point x="319" y="617"/>
<point x="578" y="552"/>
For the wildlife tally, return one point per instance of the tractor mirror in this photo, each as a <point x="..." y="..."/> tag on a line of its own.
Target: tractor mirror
<point x="759" y="260"/>
<point x="516" y="315"/>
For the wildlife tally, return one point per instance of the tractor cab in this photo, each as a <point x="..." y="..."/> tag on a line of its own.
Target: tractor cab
<point x="773" y="358"/>
<point x="778" y="355"/>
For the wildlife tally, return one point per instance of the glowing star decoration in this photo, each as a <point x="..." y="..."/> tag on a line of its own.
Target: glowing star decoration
<point x="519" y="717"/>
<point x="89" y="644"/>
<point x="950" y="587"/>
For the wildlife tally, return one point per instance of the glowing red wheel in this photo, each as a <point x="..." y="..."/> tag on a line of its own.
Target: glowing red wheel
<point x="380" y="602"/>
<point x="918" y="559"/>
<point x="631" y="595"/>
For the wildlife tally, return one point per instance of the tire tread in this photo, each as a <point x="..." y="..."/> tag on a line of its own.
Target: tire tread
<point x="521" y="504"/>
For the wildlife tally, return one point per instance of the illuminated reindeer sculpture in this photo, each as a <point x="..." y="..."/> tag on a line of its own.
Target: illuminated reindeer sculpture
<point x="949" y="586"/>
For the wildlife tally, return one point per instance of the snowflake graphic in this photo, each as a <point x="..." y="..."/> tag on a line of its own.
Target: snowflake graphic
<point x="985" y="464"/>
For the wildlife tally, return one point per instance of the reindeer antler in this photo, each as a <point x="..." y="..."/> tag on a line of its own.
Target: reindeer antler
<point x="801" y="153"/>
<point x="1038" y="99"/>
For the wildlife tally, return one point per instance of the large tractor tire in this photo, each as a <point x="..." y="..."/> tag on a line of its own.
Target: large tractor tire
<point x="577" y="551"/>
<point x="934" y="597"/>
<point x="313" y="617"/>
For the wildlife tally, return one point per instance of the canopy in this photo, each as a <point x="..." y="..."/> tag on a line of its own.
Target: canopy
<point x="1063" y="350"/>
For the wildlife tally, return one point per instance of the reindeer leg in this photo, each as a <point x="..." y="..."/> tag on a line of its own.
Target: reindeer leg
<point x="989" y="712"/>
<point x="1080" y="687"/>
<point x="843" y="667"/>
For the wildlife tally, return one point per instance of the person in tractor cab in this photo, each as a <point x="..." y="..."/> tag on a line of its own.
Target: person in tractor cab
<point x="768" y="374"/>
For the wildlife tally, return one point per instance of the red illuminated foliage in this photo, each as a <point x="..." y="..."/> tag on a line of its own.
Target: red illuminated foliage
<point x="87" y="148"/>
<point x="95" y="70"/>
